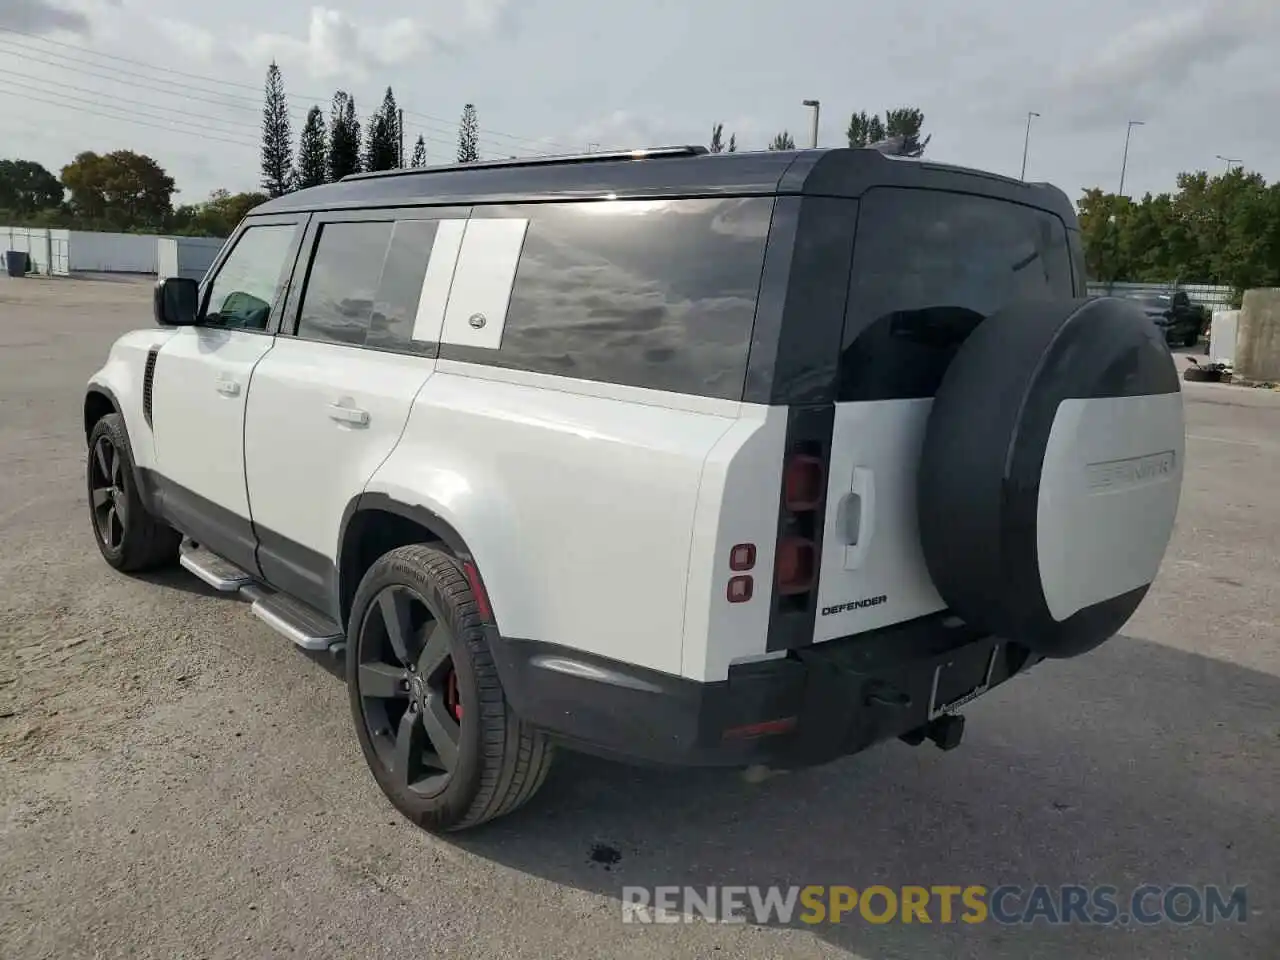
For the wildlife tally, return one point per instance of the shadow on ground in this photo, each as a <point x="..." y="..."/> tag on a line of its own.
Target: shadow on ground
<point x="1091" y="771"/>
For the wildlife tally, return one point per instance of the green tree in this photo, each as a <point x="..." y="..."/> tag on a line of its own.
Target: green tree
<point x="469" y="135"/>
<point x="277" y="140"/>
<point x="123" y="190"/>
<point x="1211" y="229"/>
<point x="865" y="129"/>
<point x="733" y="143"/>
<point x="313" y="152"/>
<point x="782" y="141"/>
<point x="216" y="217"/>
<point x="906" y="122"/>
<point x="26" y="187"/>
<point x="419" y="153"/>
<point x="344" y="137"/>
<point x="382" y="136"/>
<point x="717" y="138"/>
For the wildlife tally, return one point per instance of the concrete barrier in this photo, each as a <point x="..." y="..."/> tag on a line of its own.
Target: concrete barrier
<point x="1258" y="336"/>
<point x="1222" y="336"/>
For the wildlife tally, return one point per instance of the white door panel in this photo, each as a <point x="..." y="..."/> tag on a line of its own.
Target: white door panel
<point x="198" y="405"/>
<point x="873" y="571"/>
<point x="322" y="418"/>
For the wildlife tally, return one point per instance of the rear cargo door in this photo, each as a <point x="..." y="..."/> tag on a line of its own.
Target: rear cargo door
<point x="928" y="267"/>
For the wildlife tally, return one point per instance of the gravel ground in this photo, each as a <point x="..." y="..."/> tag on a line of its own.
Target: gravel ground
<point x="178" y="781"/>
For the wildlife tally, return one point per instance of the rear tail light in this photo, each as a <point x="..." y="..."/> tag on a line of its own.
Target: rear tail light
<point x="803" y="492"/>
<point x="797" y="565"/>
<point x="802" y="483"/>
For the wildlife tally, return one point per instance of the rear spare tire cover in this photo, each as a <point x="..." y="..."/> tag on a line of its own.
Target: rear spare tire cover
<point x="1051" y="472"/>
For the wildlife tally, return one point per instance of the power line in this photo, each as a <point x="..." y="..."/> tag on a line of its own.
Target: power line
<point x="228" y="126"/>
<point x="225" y="101"/>
<point x="167" y="125"/>
<point x="228" y="83"/>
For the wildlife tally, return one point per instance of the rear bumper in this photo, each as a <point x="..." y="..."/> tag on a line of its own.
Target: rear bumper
<point x="817" y="704"/>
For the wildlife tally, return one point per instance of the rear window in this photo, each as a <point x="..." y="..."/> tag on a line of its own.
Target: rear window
<point x="928" y="267"/>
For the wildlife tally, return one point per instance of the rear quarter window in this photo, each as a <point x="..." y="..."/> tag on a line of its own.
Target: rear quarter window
<point x="928" y="267"/>
<point x="647" y="293"/>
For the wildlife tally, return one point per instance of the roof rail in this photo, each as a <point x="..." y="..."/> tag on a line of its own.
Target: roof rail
<point x="644" y="153"/>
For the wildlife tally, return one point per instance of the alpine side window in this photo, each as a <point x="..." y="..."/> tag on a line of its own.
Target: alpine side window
<point x="342" y="283"/>
<point x="251" y="279"/>
<point x="649" y="293"/>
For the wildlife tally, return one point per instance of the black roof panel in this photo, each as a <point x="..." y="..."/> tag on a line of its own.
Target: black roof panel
<point x="838" y="172"/>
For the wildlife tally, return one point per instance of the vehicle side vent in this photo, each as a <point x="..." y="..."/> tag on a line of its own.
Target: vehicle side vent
<point x="148" y="377"/>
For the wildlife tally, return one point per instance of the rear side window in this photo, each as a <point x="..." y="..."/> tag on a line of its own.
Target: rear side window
<point x="342" y="284"/>
<point x="658" y="294"/>
<point x="364" y="283"/>
<point x="928" y="267"/>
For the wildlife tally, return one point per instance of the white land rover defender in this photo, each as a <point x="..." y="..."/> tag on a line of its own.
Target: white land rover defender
<point x="669" y="456"/>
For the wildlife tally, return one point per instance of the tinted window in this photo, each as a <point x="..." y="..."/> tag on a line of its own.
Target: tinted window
<point x="927" y="268"/>
<point x="249" y="282"/>
<point x="396" y="306"/>
<point x="658" y="294"/>
<point x="342" y="284"/>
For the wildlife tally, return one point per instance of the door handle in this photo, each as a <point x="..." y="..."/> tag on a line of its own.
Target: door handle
<point x="342" y="413"/>
<point x="859" y="517"/>
<point x="228" y="387"/>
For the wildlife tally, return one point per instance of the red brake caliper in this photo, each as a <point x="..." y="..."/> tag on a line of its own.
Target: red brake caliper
<point x="451" y="698"/>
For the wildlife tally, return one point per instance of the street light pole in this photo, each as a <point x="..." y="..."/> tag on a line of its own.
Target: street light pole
<point x="1227" y="160"/>
<point x="813" y="136"/>
<point x="1026" y="143"/>
<point x="1125" y="162"/>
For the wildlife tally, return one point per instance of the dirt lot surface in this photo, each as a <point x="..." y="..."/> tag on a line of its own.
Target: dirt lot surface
<point x="178" y="781"/>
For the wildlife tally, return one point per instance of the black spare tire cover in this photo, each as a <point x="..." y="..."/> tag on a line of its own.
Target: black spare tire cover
<point x="1051" y="472"/>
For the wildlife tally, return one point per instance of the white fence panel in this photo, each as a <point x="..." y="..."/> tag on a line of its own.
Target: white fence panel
<point x="112" y="252"/>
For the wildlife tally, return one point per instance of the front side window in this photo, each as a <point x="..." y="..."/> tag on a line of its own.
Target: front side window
<point x="928" y="267"/>
<point x="251" y="279"/>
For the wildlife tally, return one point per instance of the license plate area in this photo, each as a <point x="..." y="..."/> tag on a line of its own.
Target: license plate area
<point x="961" y="679"/>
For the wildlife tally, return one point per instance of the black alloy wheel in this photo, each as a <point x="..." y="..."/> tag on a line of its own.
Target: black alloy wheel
<point x="409" y="691"/>
<point x="107" y="495"/>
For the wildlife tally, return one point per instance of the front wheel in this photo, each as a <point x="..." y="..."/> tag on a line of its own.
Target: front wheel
<point x="130" y="538"/>
<point x="429" y="710"/>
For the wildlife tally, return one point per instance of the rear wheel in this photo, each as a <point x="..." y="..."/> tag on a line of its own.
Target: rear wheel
<point x="129" y="537"/>
<point x="430" y="713"/>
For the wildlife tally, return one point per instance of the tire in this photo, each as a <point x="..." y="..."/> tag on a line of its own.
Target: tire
<point x="439" y="669"/>
<point x="1045" y="407"/>
<point x="129" y="537"/>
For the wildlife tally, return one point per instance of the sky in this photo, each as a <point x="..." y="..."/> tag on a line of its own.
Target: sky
<point x="182" y="82"/>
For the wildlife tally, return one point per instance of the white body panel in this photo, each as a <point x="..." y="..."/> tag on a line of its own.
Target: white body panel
<point x="122" y="376"/>
<point x="322" y="417"/>
<point x="1106" y="510"/>
<point x="578" y="501"/>
<point x="737" y="503"/>
<point x="483" y="274"/>
<point x="871" y="541"/>
<point x="198" y="403"/>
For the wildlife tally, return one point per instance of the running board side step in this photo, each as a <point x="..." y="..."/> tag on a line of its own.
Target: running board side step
<point x="305" y="626"/>
<point x="222" y="575"/>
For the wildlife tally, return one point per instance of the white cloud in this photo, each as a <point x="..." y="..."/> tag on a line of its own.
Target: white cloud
<point x="194" y="41"/>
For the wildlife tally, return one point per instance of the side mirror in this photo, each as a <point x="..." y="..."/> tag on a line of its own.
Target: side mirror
<point x="175" y="301"/>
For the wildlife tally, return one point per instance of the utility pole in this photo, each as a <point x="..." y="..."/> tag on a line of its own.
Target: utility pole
<point x="1026" y="143"/>
<point x="400" y="127"/>
<point x="813" y="136"/>
<point x="1125" y="162"/>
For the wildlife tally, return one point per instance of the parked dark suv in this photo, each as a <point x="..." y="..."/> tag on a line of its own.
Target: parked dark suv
<point x="1181" y="320"/>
